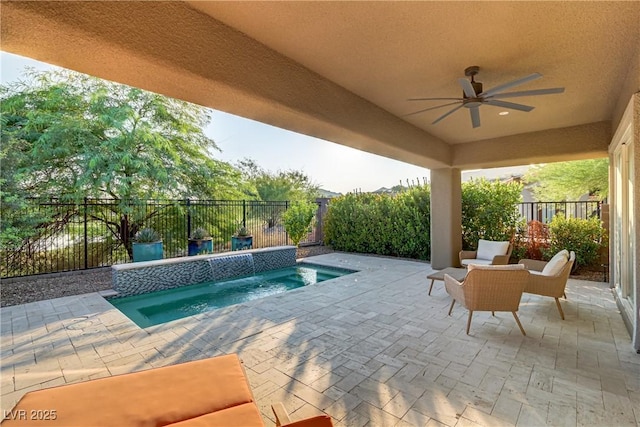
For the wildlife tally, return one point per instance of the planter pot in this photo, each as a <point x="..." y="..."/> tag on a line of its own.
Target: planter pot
<point x="241" y="242"/>
<point x="197" y="247"/>
<point x="147" y="251"/>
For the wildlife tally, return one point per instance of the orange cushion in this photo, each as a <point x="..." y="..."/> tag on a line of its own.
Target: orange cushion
<point x="154" y="397"/>
<point x="246" y="415"/>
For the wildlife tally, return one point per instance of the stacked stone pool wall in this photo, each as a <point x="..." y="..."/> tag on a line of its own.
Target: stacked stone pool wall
<point x="144" y="277"/>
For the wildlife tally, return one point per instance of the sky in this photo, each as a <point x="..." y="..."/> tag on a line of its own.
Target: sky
<point x="332" y="166"/>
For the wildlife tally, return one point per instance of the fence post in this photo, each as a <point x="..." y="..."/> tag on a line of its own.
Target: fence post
<point x="322" y="202"/>
<point x="244" y="213"/>
<point x="86" y="238"/>
<point x="187" y="203"/>
<point x="286" y="234"/>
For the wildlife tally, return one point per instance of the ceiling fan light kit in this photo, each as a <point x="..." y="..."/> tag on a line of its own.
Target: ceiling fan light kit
<point x="473" y="96"/>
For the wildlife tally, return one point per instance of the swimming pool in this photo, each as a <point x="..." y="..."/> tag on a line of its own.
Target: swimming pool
<point x="164" y="306"/>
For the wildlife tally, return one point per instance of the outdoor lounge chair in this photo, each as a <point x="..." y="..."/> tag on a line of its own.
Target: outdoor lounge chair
<point x="489" y="288"/>
<point x="208" y="392"/>
<point x="550" y="278"/>
<point x="488" y="253"/>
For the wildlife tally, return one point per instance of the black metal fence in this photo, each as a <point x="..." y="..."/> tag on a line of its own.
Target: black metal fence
<point x="546" y="211"/>
<point x="99" y="232"/>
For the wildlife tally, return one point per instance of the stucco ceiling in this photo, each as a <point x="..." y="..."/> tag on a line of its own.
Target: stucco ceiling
<point x="343" y="71"/>
<point x="387" y="52"/>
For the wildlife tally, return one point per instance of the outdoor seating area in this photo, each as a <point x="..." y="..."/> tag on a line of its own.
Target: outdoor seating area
<point x="369" y="348"/>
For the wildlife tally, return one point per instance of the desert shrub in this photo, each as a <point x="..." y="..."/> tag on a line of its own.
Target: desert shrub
<point x="489" y="211"/>
<point x="397" y="225"/>
<point x="583" y="236"/>
<point x="297" y="219"/>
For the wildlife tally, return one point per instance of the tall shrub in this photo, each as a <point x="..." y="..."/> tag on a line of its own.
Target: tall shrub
<point x="489" y="211"/>
<point x="397" y="225"/>
<point x="297" y="219"/>
<point x="583" y="236"/>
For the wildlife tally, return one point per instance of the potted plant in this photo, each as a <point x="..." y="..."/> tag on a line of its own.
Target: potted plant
<point x="200" y="241"/>
<point x="147" y="245"/>
<point x="242" y="239"/>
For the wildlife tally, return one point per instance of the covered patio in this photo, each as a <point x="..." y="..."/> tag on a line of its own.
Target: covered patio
<point x="345" y="72"/>
<point x="377" y="351"/>
<point x="371" y="348"/>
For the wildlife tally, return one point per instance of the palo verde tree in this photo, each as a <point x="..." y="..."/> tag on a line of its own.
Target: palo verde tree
<point x="71" y="136"/>
<point x="570" y="180"/>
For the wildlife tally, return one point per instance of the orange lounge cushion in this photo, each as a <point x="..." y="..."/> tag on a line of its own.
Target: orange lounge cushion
<point x="155" y="397"/>
<point x="246" y="415"/>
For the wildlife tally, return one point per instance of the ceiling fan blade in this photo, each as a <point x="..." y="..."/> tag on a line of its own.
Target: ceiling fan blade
<point x="475" y="116"/>
<point x="431" y="108"/>
<point x="435" y="99"/>
<point x="446" y="114"/>
<point x="511" y="105"/>
<point x="529" y="93"/>
<point x="467" y="87"/>
<point x="511" y="84"/>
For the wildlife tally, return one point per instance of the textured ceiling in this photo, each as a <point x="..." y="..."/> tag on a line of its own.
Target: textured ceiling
<point x="343" y="71"/>
<point x="387" y="52"/>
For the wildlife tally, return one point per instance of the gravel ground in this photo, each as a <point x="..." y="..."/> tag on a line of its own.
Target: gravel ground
<point x="47" y="286"/>
<point x="36" y="288"/>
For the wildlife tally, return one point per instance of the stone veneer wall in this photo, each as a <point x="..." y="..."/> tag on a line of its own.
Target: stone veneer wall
<point x="151" y="276"/>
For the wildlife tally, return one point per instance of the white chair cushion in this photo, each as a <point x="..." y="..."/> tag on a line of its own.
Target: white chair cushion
<point x="488" y="249"/>
<point x="473" y="261"/>
<point x="496" y="267"/>
<point x="555" y="264"/>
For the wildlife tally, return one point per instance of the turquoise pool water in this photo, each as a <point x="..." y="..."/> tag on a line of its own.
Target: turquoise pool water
<point x="164" y="306"/>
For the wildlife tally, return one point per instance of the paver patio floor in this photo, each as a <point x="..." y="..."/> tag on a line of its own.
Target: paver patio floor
<point x="369" y="348"/>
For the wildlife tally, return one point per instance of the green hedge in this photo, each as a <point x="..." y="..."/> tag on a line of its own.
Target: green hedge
<point x="399" y="225"/>
<point x="489" y="211"/>
<point x="396" y="225"/>
<point x="583" y="236"/>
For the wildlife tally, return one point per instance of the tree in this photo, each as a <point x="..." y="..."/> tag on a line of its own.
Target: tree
<point x="570" y="180"/>
<point x="297" y="219"/>
<point x="291" y="185"/>
<point x="71" y="136"/>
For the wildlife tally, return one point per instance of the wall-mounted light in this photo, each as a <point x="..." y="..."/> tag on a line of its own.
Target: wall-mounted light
<point x="503" y="113"/>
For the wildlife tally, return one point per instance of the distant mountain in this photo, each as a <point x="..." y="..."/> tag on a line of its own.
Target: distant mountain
<point x="384" y="190"/>
<point x="328" y="194"/>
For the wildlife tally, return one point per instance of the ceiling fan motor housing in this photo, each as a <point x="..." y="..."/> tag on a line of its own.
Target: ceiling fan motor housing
<point x="471" y="72"/>
<point x="477" y="86"/>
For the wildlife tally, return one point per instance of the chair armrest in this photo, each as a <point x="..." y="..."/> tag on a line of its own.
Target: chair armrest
<point x="501" y="260"/>
<point x="467" y="255"/>
<point x="533" y="264"/>
<point x="454" y="288"/>
<point x="281" y="414"/>
<point x="284" y="420"/>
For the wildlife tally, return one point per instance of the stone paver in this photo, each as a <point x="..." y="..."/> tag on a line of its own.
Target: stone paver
<point x="369" y="349"/>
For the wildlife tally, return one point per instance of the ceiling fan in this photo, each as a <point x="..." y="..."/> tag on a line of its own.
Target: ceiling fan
<point x="473" y="96"/>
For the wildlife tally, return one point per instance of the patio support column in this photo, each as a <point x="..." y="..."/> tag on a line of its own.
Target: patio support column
<point x="446" y="217"/>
